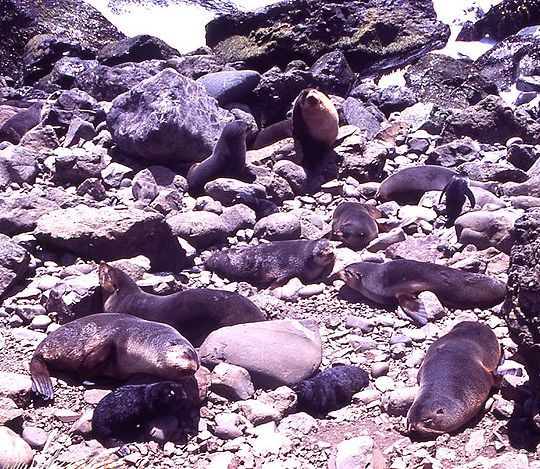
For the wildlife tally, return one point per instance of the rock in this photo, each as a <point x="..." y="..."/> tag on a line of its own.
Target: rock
<point x="10" y="414"/>
<point x="355" y="113"/>
<point x="332" y="74"/>
<point x="297" y="424"/>
<point x="14" y="451"/>
<point x="196" y="65"/>
<point x="278" y="226"/>
<point x="201" y="230"/>
<point x="523" y="156"/>
<point x="148" y="182"/>
<point x="40" y="139"/>
<point x="296" y="350"/>
<point x="14" y="262"/>
<point x="227" y="426"/>
<point x="294" y="174"/>
<point x="488" y="172"/>
<point x="283" y="399"/>
<point x="238" y="217"/>
<point x="232" y="382"/>
<point x="17" y="165"/>
<point x="162" y="429"/>
<point x="454" y="153"/>
<point x="258" y="412"/>
<point x="36" y="437"/>
<point x="428" y="248"/>
<point x="229" y="191"/>
<point x="79" y="130"/>
<point x="230" y="86"/>
<point x="397" y="402"/>
<point x="63" y="72"/>
<point x="179" y="135"/>
<point x="135" y="49"/>
<point x="16" y="386"/>
<point x="379" y="369"/>
<point x="223" y="460"/>
<point x="384" y="383"/>
<point x="67" y="415"/>
<point x="88" y="27"/>
<point x="75" y="166"/>
<point x="364" y="162"/>
<point x="352" y="453"/>
<point x="531" y="188"/>
<point x="108" y="234"/>
<point x="448" y="82"/>
<point x="304" y="33"/>
<point x="434" y="309"/>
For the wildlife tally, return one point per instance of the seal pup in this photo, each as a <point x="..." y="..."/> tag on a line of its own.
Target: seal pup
<point x="315" y="126"/>
<point x="330" y="389"/>
<point x="353" y="223"/>
<point x="273" y="264"/>
<point x="457" y="191"/>
<point x="227" y="160"/>
<point x="194" y="313"/>
<point x="112" y="345"/>
<point x="120" y="417"/>
<point x="455" y="379"/>
<point x="16" y="126"/>
<point x="402" y="279"/>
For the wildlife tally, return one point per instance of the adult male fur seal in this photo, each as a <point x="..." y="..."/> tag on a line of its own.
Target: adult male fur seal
<point x="273" y="264"/>
<point x="227" y="160"/>
<point x="353" y="223"/>
<point x="194" y="313"/>
<point x="455" y="379"/>
<point x="402" y="279"/>
<point x="112" y="345"/>
<point x="315" y="125"/>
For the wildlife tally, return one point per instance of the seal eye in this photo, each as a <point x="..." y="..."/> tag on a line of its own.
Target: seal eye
<point x="440" y="412"/>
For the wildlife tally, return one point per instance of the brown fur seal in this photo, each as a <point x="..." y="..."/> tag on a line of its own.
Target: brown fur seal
<point x="227" y="160"/>
<point x="353" y="223"/>
<point x="457" y="191"/>
<point x="15" y="127"/>
<point x="455" y="379"/>
<point x="194" y="313"/>
<point x="271" y="134"/>
<point x="315" y="128"/>
<point x="112" y="345"/>
<point x="273" y="264"/>
<point x="402" y="279"/>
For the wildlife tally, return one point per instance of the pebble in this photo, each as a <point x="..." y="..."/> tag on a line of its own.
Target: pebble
<point x="356" y="322"/>
<point x="67" y="415"/>
<point x="232" y="382"/>
<point x="361" y="344"/>
<point x="14" y="451"/>
<point x="258" y="412"/>
<point x="397" y="402"/>
<point x="36" y="437"/>
<point x="40" y="322"/>
<point x="379" y="369"/>
<point x="366" y="396"/>
<point x="384" y="383"/>
<point x="353" y="453"/>
<point x="311" y="290"/>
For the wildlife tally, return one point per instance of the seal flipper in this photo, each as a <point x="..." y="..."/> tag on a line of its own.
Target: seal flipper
<point x="413" y="307"/>
<point x="41" y="379"/>
<point x="470" y="196"/>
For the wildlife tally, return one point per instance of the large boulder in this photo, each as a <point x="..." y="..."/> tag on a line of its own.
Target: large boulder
<point x="167" y="119"/>
<point x="17" y="165"/>
<point x="373" y="35"/>
<point x="19" y="214"/>
<point x="106" y="233"/>
<point x="23" y="19"/>
<point x="14" y="262"/>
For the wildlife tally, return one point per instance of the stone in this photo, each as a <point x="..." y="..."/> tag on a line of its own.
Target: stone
<point x="162" y="429"/>
<point x="232" y="382"/>
<point x="258" y="412"/>
<point x="114" y="173"/>
<point x="149" y="182"/>
<point x="36" y="437"/>
<point x="296" y="350"/>
<point x="229" y="86"/>
<point x="332" y="73"/>
<point x="17" y="165"/>
<point x="108" y="234"/>
<point x="397" y="402"/>
<point x="10" y="414"/>
<point x="179" y="134"/>
<point x="355" y="113"/>
<point x="14" y="262"/>
<point x="135" y="49"/>
<point x="283" y="399"/>
<point x="14" y="451"/>
<point x="454" y="153"/>
<point x="227" y="426"/>
<point x="294" y="174"/>
<point x="297" y="424"/>
<point x="278" y="226"/>
<point x="352" y="453"/>
<point x="200" y="229"/>
<point x="73" y="167"/>
<point x="428" y="248"/>
<point x="230" y="191"/>
<point x="362" y="161"/>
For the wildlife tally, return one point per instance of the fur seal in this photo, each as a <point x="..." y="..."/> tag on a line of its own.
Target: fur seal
<point x="457" y="191"/>
<point x="273" y="264"/>
<point x="330" y="389"/>
<point x="270" y="135"/>
<point x="120" y="417"/>
<point x="353" y="223"/>
<point x="194" y="313"/>
<point x="112" y="345"/>
<point x="315" y="126"/>
<point x="402" y="279"/>
<point x="16" y="126"/>
<point x="455" y="379"/>
<point x="227" y="160"/>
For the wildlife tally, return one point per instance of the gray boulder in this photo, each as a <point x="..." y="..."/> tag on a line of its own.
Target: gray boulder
<point x="278" y="226"/>
<point x="73" y="167"/>
<point x="167" y="119"/>
<point x="274" y="353"/>
<point x="19" y="214"/>
<point x="201" y="229"/>
<point x="14" y="262"/>
<point x="17" y="165"/>
<point x="230" y="86"/>
<point x="148" y="183"/>
<point x="229" y="191"/>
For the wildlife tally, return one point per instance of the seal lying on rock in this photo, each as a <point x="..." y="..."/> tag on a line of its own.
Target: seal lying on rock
<point x="403" y="279"/>
<point x="112" y="345"/>
<point x="120" y="416"/>
<point x="273" y="264"/>
<point x="353" y="223"/>
<point x="330" y="389"/>
<point x="227" y="160"/>
<point x="194" y="313"/>
<point x="455" y="379"/>
<point x="457" y="191"/>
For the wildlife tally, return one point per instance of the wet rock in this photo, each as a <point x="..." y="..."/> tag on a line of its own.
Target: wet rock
<point x="181" y="134"/>
<point x="232" y="382"/>
<point x="296" y="350"/>
<point x="14" y="451"/>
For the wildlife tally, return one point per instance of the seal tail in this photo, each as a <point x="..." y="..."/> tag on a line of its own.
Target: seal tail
<point x="41" y="380"/>
<point x="414" y="308"/>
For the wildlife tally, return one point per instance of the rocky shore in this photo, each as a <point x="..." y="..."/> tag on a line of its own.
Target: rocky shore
<point x="96" y="138"/>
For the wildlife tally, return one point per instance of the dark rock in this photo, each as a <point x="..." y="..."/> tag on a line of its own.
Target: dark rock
<point x="14" y="262"/>
<point x="332" y="74"/>
<point x="373" y="35"/>
<point x="149" y="182"/>
<point x="293" y="173"/>
<point x="44" y="50"/>
<point x="74" y="167"/>
<point x="229" y="86"/>
<point x="355" y="113"/>
<point x="395" y="98"/>
<point x="201" y="229"/>
<point x="135" y="49"/>
<point x="195" y="66"/>
<point x="17" y="165"/>
<point x="79" y="130"/>
<point x="19" y="214"/>
<point x="167" y="118"/>
<point x="64" y="72"/>
<point x="486" y="171"/>
<point x="108" y="234"/>
<point x="448" y="82"/>
<point x="93" y="188"/>
<point x="105" y="83"/>
<point x="70" y="104"/>
<point x="14" y="128"/>
<point x="455" y="153"/>
<point x="40" y="139"/>
<point x="230" y="191"/>
<point x="364" y="162"/>
<point x="523" y="156"/>
<point x="490" y="121"/>
<point x="238" y="217"/>
<point x="277" y="188"/>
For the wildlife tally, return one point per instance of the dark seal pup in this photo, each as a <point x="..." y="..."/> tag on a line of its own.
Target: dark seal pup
<point x="194" y="313"/>
<point x="455" y="379"/>
<point x="354" y="224"/>
<point x="112" y="345"/>
<point x="273" y="264"/>
<point x="315" y="125"/>
<point x="401" y="280"/>
<point x="120" y="417"/>
<point x="330" y="389"/>
<point x="457" y="191"/>
<point x="227" y="160"/>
